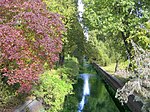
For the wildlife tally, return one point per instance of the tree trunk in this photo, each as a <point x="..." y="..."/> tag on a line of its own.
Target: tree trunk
<point x="61" y="58"/>
<point x="127" y="46"/>
<point x="116" y="67"/>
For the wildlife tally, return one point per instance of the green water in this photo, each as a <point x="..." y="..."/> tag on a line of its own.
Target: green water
<point x="99" y="99"/>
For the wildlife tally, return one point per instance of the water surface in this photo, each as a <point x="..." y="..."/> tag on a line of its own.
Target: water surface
<point x="99" y="99"/>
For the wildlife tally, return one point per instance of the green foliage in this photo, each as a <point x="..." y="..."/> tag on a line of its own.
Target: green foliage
<point x="5" y="94"/>
<point x="73" y="39"/>
<point x="66" y="8"/>
<point x="142" y="36"/>
<point x="72" y="67"/>
<point x="52" y="90"/>
<point x="96" y="50"/>
<point x="70" y="104"/>
<point x="8" y="96"/>
<point x="54" y="85"/>
<point x="76" y="41"/>
<point x="119" y="21"/>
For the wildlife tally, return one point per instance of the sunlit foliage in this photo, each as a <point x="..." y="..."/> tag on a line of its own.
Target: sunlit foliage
<point x="125" y="23"/>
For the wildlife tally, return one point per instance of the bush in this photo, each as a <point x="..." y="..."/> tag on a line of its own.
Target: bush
<point x="8" y="98"/>
<point x="52" y="90"/>
<point x="72" y="67"/>
<point x="54" y="85"/>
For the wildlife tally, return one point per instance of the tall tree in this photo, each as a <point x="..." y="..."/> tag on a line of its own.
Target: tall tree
<point x="73" y="39"/>
<point x="117" y="19"/>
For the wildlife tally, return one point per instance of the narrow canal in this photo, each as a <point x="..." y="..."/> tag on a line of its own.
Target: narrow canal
<point x="93" y="96"/>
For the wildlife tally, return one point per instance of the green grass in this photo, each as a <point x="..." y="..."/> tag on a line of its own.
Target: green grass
<point x="111" y="70"/>
<point x="111" y="67"/>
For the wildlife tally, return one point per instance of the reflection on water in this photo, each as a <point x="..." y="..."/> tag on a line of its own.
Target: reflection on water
<point x="86" y="91"/>
<point x="99" y="99"/>
<point x="89" y="95"/>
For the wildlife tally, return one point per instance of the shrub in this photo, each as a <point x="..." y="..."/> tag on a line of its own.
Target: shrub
<point x="52" y="90"/>
<point x="8" y="97"/>
<point x="54" y="85"/>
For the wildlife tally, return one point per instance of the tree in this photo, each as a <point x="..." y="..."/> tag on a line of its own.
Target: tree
<point x="73" y="38"/>
<point x="117" y="19"/>
<point x="96" y="50"/>
<point x="30" y="36"/>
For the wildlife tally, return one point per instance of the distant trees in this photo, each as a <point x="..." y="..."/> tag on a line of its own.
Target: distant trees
<point x="73" y="38"/>
<point x="29" y="37"/>
<point x="96" y="50"/>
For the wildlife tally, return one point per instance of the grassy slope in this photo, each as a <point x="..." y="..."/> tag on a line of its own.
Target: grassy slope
<point x="111" y="70"/>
